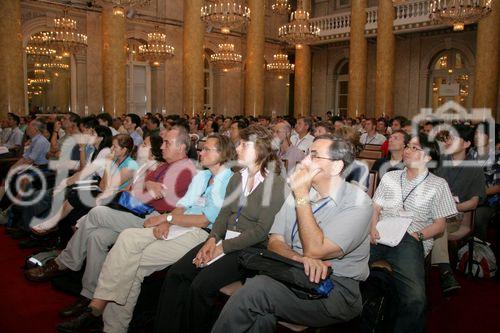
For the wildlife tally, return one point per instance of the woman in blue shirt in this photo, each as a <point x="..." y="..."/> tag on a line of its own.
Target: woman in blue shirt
<point x="165" y="239"/>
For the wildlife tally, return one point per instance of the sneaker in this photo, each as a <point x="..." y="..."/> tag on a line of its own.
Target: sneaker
<point x="448" y="283"/>
<point x="85" y="321"/>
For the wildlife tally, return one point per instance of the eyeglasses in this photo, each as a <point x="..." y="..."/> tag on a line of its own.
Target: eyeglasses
<point x="246" y="144"/>
<point x="207" y="149"/>
<point x="413" y="148"/>
<point x="314" y="154"/>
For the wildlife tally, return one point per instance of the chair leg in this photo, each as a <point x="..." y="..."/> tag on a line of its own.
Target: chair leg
<point x="471" y="257"/>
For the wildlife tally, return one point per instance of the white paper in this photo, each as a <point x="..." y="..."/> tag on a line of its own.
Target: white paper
<point x="4" y="150"/>
<point x="176" y="230"/>
<point x="392" y="229"/>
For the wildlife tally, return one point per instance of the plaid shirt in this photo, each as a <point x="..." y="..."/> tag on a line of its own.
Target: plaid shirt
<point x="427" y="197"/>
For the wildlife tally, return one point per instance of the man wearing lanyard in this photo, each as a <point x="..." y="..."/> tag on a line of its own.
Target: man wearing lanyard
<point x="324" y="223"/>
<point x="371" y="137"/>
<point x="426" y="199"/>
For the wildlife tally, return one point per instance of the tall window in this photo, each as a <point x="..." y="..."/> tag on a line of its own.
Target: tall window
<point x="207" y="86"/>
<point x="450" y="79"/>
<point x="342" y="88"/>
<point x="138" y="81"/>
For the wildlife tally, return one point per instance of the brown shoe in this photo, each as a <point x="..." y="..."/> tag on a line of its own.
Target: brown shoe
<point x="76" y="308"/>
<point x="44" y="273"/>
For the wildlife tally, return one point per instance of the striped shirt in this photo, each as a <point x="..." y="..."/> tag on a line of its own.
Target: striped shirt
<point x="427" y="197"/>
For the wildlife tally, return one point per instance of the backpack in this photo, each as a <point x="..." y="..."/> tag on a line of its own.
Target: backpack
<point x="484" y="264"/>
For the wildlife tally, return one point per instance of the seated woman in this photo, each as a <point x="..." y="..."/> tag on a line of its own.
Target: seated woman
<point x="253" y="197"/>
<point x="158" y="186"/>
<point x="138" y="253"/>
<point x="119" y="168"/>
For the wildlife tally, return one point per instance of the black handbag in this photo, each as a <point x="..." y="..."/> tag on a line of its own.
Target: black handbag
<point x="287" y="271"/>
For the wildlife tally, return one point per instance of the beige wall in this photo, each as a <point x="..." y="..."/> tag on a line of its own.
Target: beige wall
<point x="414" y="53"/>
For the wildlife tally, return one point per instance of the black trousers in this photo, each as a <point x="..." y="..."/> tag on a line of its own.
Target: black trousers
<point x="187" y="297"/>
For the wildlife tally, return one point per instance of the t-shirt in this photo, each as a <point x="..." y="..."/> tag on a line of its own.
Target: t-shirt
<point x="205" y="198"/>
<point x="427" y="197"/>
<point x="175" y="177"/>
<point x="465" y="181"/>
<point x="128" y="163"/>
<point x="344" y="220"/>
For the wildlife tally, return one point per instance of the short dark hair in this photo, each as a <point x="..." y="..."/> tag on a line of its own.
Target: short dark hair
<point x="105" y="117"/>
<point x="465" y="132"/>
<point x="241" y="123"/>
<point x="89" y="122"/>
<point x="156" y="143"/>
<point x="430" y="148"/>
<point x="14" y="117"/>
<point x="135" y="119"/>
<point x="74" y="118"/>
<point x="340" y="149"/>
<point x="155" y="121"/>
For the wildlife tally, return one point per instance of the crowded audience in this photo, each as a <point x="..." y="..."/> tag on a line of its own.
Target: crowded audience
<point x="188" y="199"/>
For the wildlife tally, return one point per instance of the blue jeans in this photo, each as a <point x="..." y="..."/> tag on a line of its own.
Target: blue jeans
<point x="407" y="261"/>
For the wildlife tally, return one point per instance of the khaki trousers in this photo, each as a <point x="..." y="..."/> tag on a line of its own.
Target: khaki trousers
<point x="440" y="253"/>
<point x="135" y="255"/>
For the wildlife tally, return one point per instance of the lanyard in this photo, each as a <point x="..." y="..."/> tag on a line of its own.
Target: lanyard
<point x="295" y="229"/>
<point x="373" y="138"/>
<point x="413" y="189"/>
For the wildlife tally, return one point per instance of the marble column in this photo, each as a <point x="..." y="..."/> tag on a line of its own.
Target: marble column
<point x="114" y="60"/>
<point x="11" y="59"/>
<point x="302" y="86"/>
<point x="357" y="59"/>
<point x="386" y="43"/>
<point x="192" y="66"/>
<point x="487" y="61"/>
<point x="254" y="75"/>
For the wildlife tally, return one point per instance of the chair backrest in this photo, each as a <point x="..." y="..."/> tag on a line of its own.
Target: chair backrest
<point x="372" y="183"/>
<point x="372" y="154"/>
<point x="372" y="147"/>
<point x="369" y="162"/>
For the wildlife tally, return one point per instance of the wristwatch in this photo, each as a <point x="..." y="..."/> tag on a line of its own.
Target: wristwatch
<point x="170" y="218"/>
<point x="302" y="201"/>
<point x="420" y="236"/>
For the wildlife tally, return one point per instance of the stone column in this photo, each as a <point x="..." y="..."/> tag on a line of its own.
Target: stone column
<point x="357" y="59"/>
<point x="487" y="58"/>
<point x="11" y="59"/>
<point x="114" y="60"/>
<point x="386" y="43"/>
<point x="302" y="86"/>
<point x="254" y="76"/>
<point x="192" y="66"/>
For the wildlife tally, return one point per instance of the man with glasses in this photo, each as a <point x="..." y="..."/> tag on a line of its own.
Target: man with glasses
<point x="324" y="223"/>
<point x="416" y="194"/>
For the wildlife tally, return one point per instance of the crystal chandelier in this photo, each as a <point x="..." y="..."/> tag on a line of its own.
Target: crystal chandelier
<point x="56" y="65"/>
<point x="40" y="53"/>
<point x="280" y="65"/>
<point x="226" y="58"/>
<point x="225" y="15"/>
<point x="65" y="36"/>
<point x="281" y="7"/>
<point x="299" y="30"/>
<point x="156" y="50"/>
<point x="459" y="12"/>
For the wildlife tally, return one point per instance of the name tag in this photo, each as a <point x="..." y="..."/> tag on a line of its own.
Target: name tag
<point x="232" y="234"/>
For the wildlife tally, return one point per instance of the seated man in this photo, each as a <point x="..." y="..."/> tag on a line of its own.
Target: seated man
<point x="466" y="181"/>
<point x="100" y="228"/>
<point x="290" y="155"/>
<point x="325" y="223"/>
<point x="425" y="198"/>
<point x="14" y="139"/>
<point x="394" y="161"/>
<point x="139" y="252"/>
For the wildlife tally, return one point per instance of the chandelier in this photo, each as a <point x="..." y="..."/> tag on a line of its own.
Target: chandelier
<point x="459" y="12"/>
<point x="281" y="7"/>
<point x="280" y="65"/>
<point x="156" y="50"/>
<point x="40" y="53"/>
<point x="65" y="36"/>
<point x="226" y="58"/>
<point x="299" y="30"/>
<point x="38" y="81"/>
<point x="225" y="15"/>
<point x="56" y="65"/>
